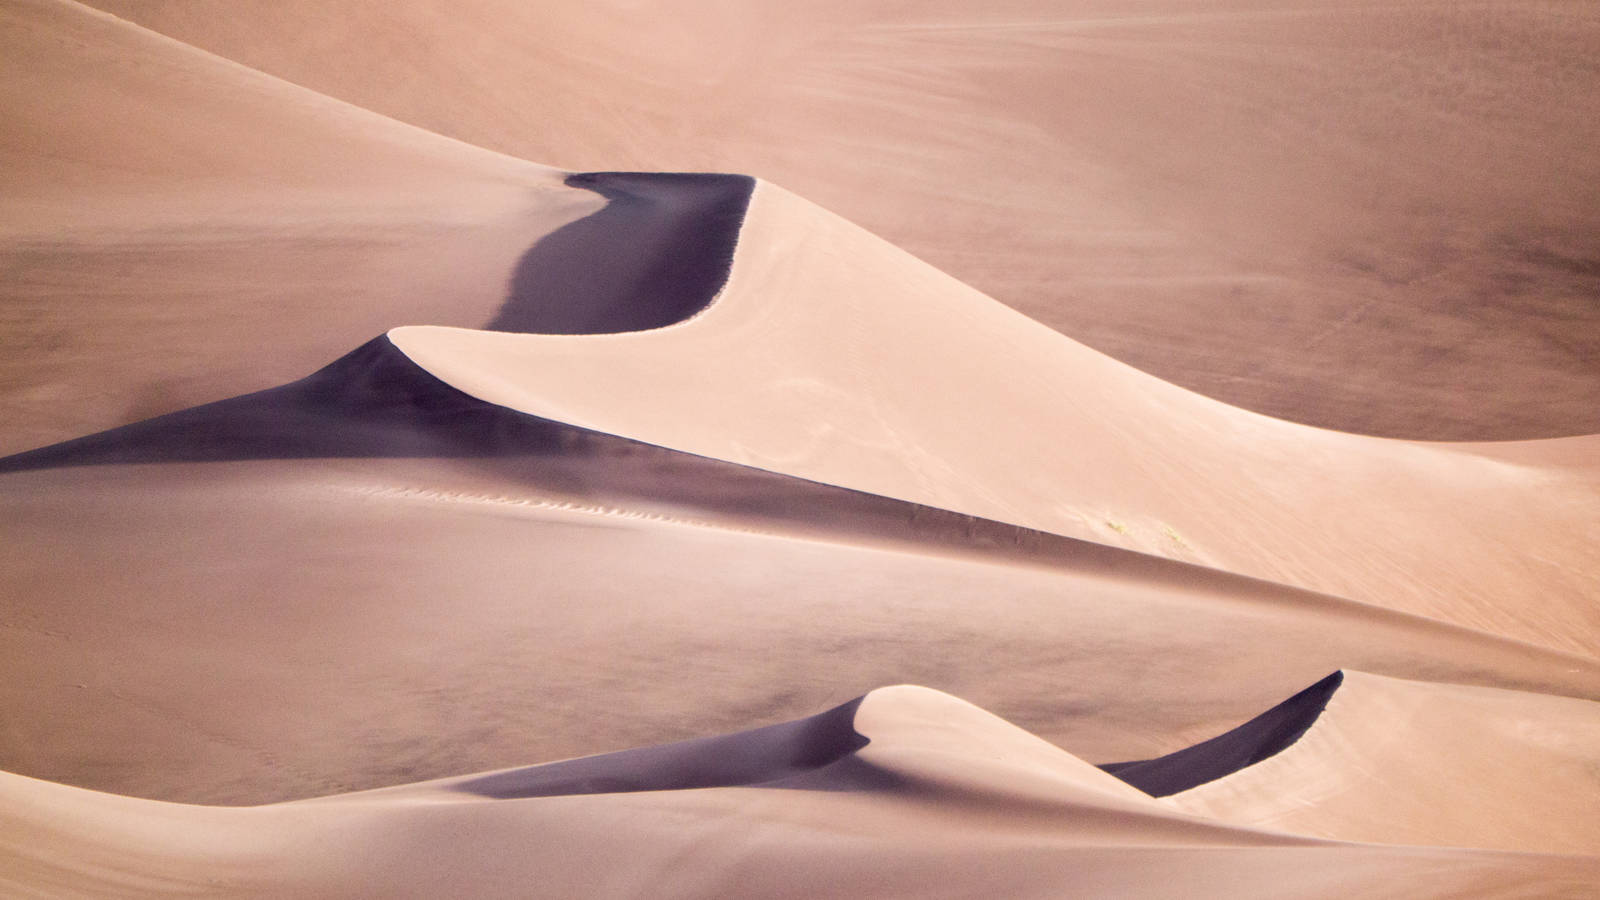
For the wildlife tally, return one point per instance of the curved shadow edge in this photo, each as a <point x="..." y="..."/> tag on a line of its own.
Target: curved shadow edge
<point x="1264" y="736"/>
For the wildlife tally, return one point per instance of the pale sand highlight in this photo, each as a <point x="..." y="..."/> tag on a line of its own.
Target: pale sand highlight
<point x="832" y="356"/>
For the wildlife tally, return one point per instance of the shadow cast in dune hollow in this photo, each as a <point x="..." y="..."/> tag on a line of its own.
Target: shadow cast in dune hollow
<point x="1264" y="736"/>
<point x="787" y="755"/>
<point x="656" y="254"/>
<point x="371" y="402"/>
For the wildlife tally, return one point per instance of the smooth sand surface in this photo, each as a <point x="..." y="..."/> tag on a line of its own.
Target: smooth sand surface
<point x="373" y="621"/>
<point x="176" y="229"/>
<point x="1511" y="770"/>
<point x="835" y="357"/>
<point x="385" y="515"/>
<point x="938" y="798"/>
<point x="1371" y="217"/>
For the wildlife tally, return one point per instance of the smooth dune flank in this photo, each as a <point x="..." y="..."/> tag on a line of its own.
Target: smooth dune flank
<point x="440" y="459"/>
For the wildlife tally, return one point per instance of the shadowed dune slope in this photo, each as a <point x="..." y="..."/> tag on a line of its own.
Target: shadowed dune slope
<point x="1264" y="736"/>
<point x="371" y="402"/>
<point x="959" y="802"/>
<point x="764" y="756"/>
<point x="654" y="255"/>
<point x="1374" y="217"/>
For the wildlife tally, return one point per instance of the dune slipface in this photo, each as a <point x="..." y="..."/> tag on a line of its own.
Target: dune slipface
<point x="1264" y="736"/>
<point x="654" y="255"/>
<point x="540" y="590"/>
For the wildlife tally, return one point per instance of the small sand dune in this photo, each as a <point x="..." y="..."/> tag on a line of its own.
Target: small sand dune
<point x="1509" y="769"/>
<point x="905" y="788"/>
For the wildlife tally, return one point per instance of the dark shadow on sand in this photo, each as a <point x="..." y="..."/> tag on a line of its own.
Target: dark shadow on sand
<point x="371" y="402"/>
<point x="657" y="253"/>
<point x="774" y="756"/>
<point x="1264" y="736"/>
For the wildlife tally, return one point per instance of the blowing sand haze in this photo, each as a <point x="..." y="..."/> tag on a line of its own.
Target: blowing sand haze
<point x="1098" y="449"/>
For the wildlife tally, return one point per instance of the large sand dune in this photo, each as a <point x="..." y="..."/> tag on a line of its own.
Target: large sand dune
<point x="348" y="459"/>
<point x="832" y="356"/>
<point x="1372" y="217"/>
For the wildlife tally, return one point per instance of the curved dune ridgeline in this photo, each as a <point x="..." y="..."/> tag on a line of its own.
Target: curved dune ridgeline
<point x="1264" y="736"/>
<point x="540" y="590"/>
<point x="927" y="799"/>
<point x="835" y="357"/>
<point x="1374" y="217"/>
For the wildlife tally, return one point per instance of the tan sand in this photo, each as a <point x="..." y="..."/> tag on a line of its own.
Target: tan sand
<point x="943" y="798"/>
<point x="175" y="228"/>
<point x="835" y="357"/>
<point x="372" y="622"/>
<point x="1372" y="217"/>
<point x="314" y="609"/>
<point x="1513" y="770"/>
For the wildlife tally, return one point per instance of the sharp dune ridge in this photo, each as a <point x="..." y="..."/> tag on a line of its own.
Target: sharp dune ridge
<point x="1371" y="217"/>
<point x="646" y="465"/>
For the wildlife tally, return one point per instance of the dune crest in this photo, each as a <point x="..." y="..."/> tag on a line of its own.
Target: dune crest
<point x="1371" y="217"/>
<point x="1503" y="769"/>
<point x="1260" y="738"/>
<point x="927" y="788"/>
<point x="835" y="357"/>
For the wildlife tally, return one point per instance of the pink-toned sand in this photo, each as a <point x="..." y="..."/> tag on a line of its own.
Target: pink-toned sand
<point x="476" y="611"/>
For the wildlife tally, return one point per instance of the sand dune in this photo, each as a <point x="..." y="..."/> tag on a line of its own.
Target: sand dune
<point x="912" y="790"/>
<point x="837" y="358"/>
<point x="1371" y="217"/>
<point x="375" y="466"/>
<point x="1509" y="771"/>
<point x="638" y="469"/>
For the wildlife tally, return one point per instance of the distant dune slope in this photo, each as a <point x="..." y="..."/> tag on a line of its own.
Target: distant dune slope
<point x="175" y="228"/>
<point x="1372" y="217"/>
<point x="931" y="796"/>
